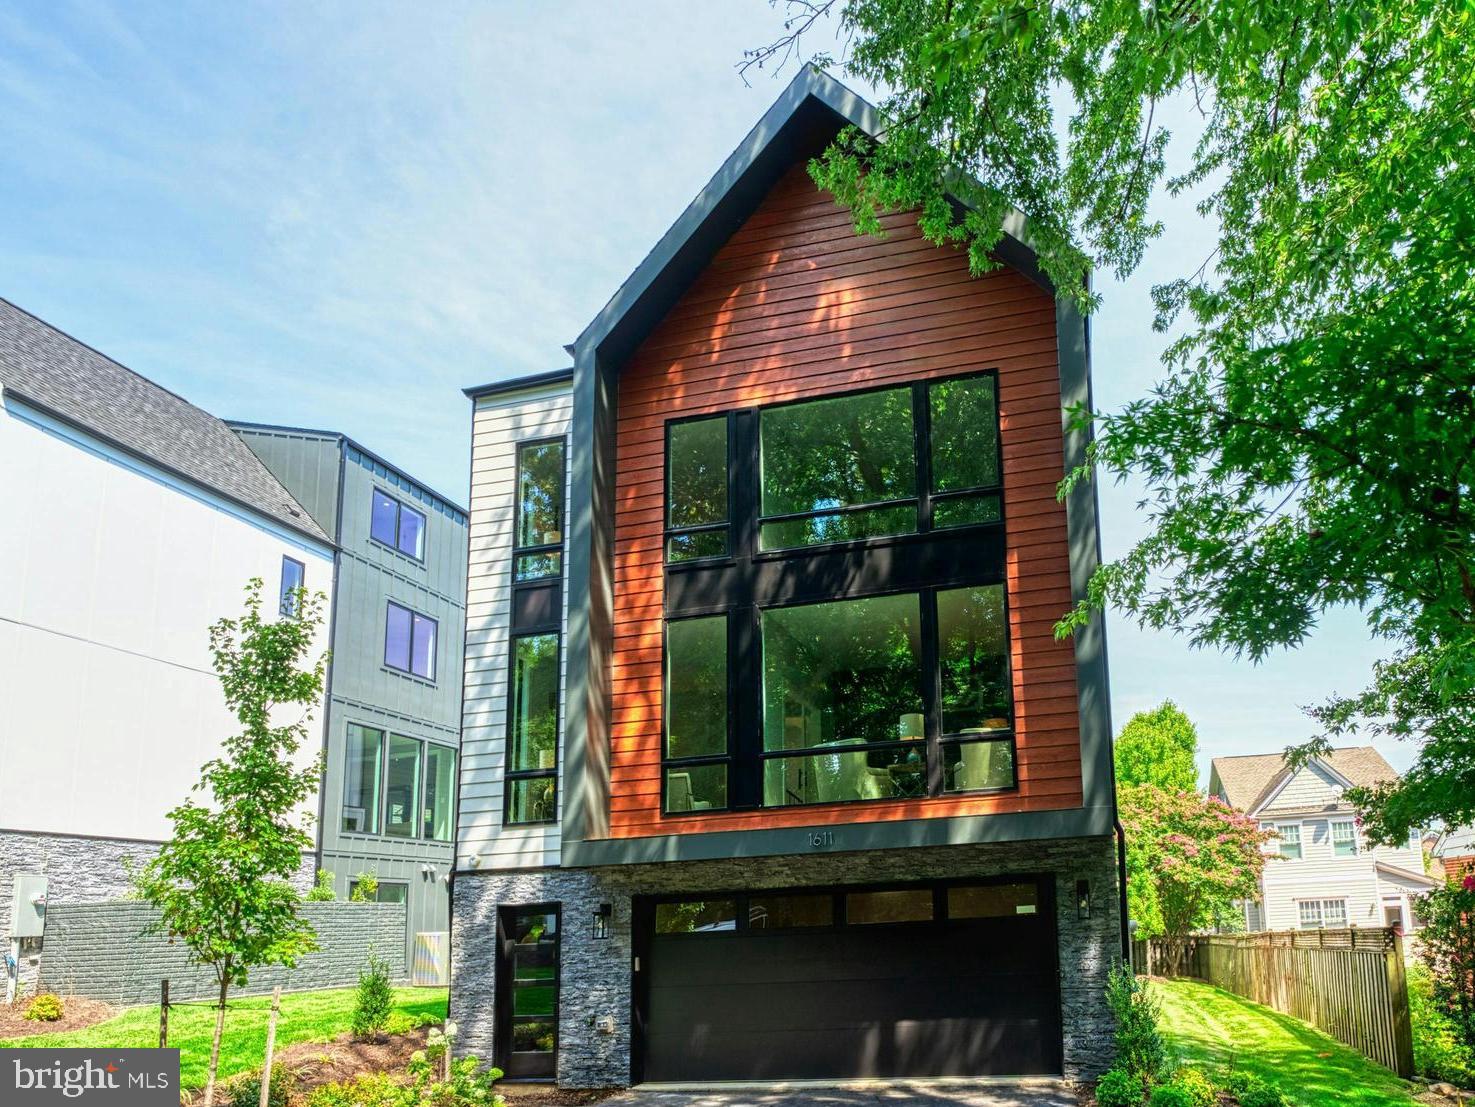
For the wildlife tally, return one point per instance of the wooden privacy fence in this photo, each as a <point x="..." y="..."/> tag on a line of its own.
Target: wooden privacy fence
<point x="1349" y="983"/>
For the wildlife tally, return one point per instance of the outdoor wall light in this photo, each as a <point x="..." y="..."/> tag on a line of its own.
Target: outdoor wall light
<point x="602" y="916"/>
<point x="1083" y="899"/>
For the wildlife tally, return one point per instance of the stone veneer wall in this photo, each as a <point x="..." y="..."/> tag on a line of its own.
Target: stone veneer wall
<point x="595" y="974"/>
<point x="98" y="950"/>
<point x="77" y="870"/>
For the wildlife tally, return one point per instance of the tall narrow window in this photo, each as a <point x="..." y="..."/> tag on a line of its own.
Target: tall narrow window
<point x="838" y="469"/>
<point x="440" y="791"/>
<point x="696" y="753"/>
<point x="294" y="574"/>
<point x="696" y="489"/>
<point x="363" y="767"/>
<point x="532" y="731"/>
<point x="396" y="524"/>
<point x="539" y="528"/>
<point x="973" y="666"/>
<point x="402" y="788"/>
<point x="1344" y="839"/>
<point x="1290" y="840"/>
<point x="963" y="432"/>
<point x="409" y="641"/>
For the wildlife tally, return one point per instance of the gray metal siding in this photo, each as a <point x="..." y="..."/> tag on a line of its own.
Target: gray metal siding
<point x="307" y="464"/>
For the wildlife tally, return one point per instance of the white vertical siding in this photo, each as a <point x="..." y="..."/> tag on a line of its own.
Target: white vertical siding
<point x="499" y="424"/>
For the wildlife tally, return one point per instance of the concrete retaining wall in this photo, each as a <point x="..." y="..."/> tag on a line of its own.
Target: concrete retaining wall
<point x="98" y="950"/>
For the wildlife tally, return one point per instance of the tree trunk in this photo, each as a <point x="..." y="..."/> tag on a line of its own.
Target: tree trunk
<point x="215" y="1044"/>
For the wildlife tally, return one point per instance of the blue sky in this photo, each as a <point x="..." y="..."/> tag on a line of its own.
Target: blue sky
<point x="339" y="215"/>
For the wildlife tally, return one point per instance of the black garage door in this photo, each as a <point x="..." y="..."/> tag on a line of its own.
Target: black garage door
<point x="933" y="980"/>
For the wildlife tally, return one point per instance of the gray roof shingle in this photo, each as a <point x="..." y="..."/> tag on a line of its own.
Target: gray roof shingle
<point x="1249" y="779"/>
<point x="64" y="377"/>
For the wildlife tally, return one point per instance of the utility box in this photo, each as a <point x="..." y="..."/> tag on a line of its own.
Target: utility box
<point x="28" y="906"/>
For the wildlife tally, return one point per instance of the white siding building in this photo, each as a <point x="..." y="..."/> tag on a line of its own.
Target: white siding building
<point x="1323" y="872"/>
<point x="130" y="521"/>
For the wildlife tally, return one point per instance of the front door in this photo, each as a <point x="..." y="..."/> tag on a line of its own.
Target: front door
<point x="527" y="992"/>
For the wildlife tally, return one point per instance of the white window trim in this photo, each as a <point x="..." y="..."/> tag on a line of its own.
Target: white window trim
<point x="1351" y="825"/>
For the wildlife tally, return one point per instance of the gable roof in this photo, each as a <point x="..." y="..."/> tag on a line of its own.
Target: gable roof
<point x="1249" y="780"/>
<point x="50" y="371"/>
<point x="808" y="114"/>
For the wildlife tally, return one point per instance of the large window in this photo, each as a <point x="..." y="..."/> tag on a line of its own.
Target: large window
<point x="1318" y="913"/>
<point x="532" y="731"/>
<point x="397" y="786"/>
<point x="973" y="664"/>
<point x="696" y="714"/>
<point x="398" y="525"/>
<point x="409" y="641"/>
<point x="539" y="530"/>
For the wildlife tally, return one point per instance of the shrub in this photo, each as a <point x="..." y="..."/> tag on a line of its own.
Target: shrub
<point x="365" y="888"/>
<point x="1200" y="1089"/>
<point x="1439" y="1054"/>
<point x="1171" y="1095"/>
<point x="322" y="891"/>
<point x="1119" y="1088"/>
<point x="1139" y="1041"/>
<point x="245" y="1090"/>
<point x="1447" y="949"/>
<point x="44" y="1008"/>
<point x="1251" y="1091"/>
<point x="371" y="1007"/>
<point x="369" y="1089"/>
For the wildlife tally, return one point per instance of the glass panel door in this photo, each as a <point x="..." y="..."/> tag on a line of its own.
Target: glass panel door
<point x="527" y="993"/>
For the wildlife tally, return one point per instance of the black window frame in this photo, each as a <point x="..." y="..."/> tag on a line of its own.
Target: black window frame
<point x="511" y="776"/>
<point x="748" y="580"/>
<point x="435" y="660"/>
<point x="400" y="507"/>
<point x="520" y="551"/>
<point x="727" y="759"/>
<point x="381" y="797"/>
<point x="286" y="598"/>
<point x="669" y="532"/>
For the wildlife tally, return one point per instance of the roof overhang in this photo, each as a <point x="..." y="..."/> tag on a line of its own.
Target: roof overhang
<point x="806" y="117"/>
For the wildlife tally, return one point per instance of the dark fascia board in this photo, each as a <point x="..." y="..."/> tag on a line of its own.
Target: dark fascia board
<point x="802" y="121"/>
<point x="317" y="538"/>
<point x="1076" y="822"/>
<point x="339" y="436"/>
<point x="520" y="384"/>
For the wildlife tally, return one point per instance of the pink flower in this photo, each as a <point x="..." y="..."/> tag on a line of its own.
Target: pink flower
<point x="1468" y="883"/>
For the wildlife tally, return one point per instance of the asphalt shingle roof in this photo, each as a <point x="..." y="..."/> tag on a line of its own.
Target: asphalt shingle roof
<point x="59" y="374"/>
<point x="1249" y="779"/>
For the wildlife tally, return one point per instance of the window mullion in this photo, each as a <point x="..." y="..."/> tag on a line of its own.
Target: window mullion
<point x="921" y="439"/>
<point x="932" y="692"/>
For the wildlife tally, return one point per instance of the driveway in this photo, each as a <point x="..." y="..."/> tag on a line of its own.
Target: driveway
<point x="908" y="1093"/>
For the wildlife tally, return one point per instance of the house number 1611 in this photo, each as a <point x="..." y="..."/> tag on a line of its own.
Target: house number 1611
<point x="822" y="838"/>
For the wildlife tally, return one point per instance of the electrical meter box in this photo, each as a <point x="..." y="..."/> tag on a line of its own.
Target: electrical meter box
<point x="28" y="906"/>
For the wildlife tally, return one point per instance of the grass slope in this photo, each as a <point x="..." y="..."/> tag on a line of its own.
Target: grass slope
<point x="304" y="1017"/>
<point x="1210" y="1026"/>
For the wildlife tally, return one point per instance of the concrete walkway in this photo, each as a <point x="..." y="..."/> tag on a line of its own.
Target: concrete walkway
<point x="889" y="1093"/>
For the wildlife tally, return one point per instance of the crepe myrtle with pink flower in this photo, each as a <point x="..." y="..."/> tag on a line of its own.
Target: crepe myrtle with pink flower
<point x="1447" y="947"/>
<point x="1189" y="858"/>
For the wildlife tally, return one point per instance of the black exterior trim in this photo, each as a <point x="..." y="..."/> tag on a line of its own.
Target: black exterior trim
<point x="520" y="384"/>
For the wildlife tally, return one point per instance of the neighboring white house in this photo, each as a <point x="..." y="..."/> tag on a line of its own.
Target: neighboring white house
<point x="1327" y="874"/>
<point x="130" y="520"/>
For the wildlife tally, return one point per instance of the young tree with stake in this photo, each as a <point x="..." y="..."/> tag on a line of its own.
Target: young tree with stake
<point x="222" y="882"/>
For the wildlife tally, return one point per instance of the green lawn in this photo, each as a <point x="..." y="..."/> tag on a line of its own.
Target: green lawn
<point x="1210" y="1026"/>
<point x="304" y="1017"/>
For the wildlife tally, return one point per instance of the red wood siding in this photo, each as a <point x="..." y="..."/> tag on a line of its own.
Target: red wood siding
<point x="796" y="305"/>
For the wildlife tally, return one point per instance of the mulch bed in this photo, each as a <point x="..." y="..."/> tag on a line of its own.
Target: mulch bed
<point x="76" y="1014"/>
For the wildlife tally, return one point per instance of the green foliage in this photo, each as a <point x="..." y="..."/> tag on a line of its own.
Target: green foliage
<point x="369" y="1089"/>
<point x="1258" y="1093"/>
<point x="1439" y="1052"/>
<point x="1118" y="1088"/>
<point x="469" y="1085"/>
<point x="1140" y="1049"/>
<point x="1170" y="1095"/>
<point x="365" y="888"/>
<point x="44" y="1008"/>
<point x="1309" y="445"/>
<point x="1158" y="747"/>
<point x="222" y="883"/>
<point x="1447" y="950"/>
<point x="374" y="999"/>
<point x="245" y="1090"/>
<point x="1188" y="858"/>
<point x="1197" y="1086"/>
<point x="322" y="889"/>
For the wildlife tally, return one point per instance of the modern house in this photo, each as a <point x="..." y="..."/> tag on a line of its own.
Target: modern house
<point x="1327" y="873"/>
<point x="132" y="521"/>
<point x="1453" y="854"/>
<point x="393" y="717"/>
<point x="772" y="764"/>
